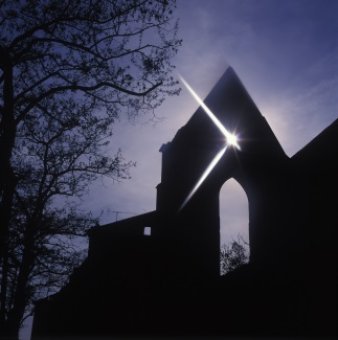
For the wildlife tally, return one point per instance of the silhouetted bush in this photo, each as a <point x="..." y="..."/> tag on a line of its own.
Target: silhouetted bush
<point x="233" y="255"/>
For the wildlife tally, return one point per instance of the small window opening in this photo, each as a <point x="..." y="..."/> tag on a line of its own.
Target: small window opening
<point x="147" y="231"/>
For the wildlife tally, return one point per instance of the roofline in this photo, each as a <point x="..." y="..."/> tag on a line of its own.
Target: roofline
<point x="324" y="133"/>
<point x="124" y="221"/>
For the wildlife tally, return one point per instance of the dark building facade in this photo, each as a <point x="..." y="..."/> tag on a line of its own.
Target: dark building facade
<point x="158" y="273"/>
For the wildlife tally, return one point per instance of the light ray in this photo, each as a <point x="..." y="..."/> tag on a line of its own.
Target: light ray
<point x="204" y="175"/>
<point x="231" y="138"/>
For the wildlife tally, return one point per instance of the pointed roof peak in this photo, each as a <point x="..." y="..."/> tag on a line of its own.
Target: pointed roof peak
<point x="230" y="102"/>
<point x="230" y="87"/>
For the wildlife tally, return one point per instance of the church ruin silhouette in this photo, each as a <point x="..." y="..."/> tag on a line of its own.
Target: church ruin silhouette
<point x="168" y="283"/>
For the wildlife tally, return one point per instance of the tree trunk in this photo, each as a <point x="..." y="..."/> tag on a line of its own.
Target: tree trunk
<point x="16" y="314"/>
<point x="7" y="178"/>
<point x="7" y="139"/>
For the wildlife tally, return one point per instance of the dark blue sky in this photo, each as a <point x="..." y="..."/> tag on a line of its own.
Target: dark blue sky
<point x="285" y="52"/>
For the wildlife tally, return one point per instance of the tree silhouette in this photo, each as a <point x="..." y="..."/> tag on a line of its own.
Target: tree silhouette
<point x="233" y="255"/>
<point x="68" y="70"/>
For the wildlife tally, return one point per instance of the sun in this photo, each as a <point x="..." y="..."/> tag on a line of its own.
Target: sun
<point x="232" y="140"/>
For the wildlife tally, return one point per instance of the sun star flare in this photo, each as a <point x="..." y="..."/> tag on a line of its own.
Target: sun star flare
<point x="231" y="140"/>
<point x="230" y="137"/>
